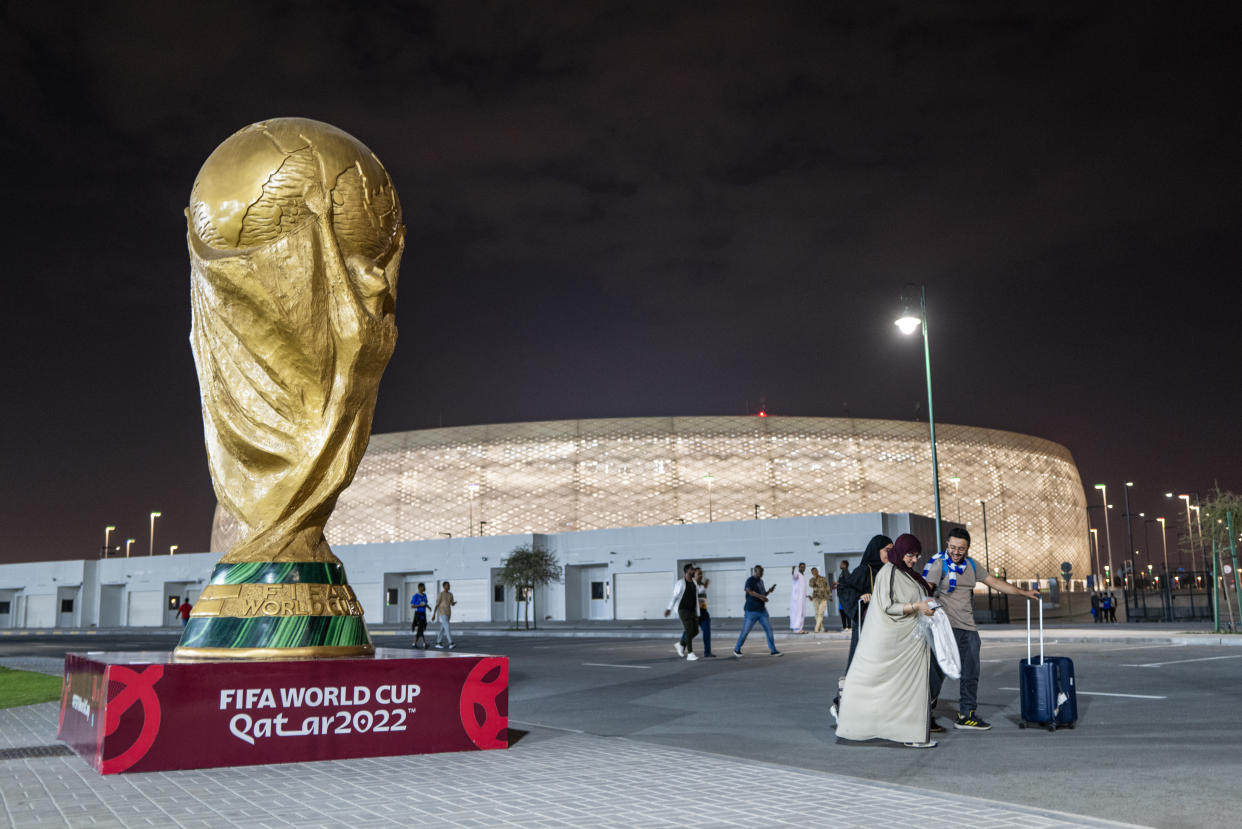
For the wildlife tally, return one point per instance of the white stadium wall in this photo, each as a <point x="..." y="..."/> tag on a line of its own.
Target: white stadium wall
<point x="567" y="476"/>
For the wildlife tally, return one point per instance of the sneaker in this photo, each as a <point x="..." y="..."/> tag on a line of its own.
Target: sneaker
<point x="681" y="651"/>
<point x="690" y="657"/>
<point x="971" y="722"/>
<point x="832" y="712"/>
<point x="452" y="646"/>
<point x="935" y="727"/>
<point x="439" y="646"/>
<point x="709" y="656"/>
<point x="925" y="744"/>
<point x="776" y="653"/>
<point x="737" y="654"/>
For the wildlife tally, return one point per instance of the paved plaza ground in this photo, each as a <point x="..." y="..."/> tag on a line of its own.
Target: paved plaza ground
<point x="613" y="730"/>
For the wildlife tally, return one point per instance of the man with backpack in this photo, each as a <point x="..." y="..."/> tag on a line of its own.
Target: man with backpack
<point x="954" y="574"/>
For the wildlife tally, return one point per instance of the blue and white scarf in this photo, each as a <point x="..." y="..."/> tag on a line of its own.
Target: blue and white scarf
<point x="947" y="566"/>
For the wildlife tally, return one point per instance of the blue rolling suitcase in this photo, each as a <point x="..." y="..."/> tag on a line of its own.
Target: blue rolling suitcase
<point x="1046" y="684"/>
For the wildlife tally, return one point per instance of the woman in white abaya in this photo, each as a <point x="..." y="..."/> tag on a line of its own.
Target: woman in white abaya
<point x="886" y="688"/>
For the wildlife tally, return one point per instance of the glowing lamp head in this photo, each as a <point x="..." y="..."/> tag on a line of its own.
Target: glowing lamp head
<point x="907" y="323"/>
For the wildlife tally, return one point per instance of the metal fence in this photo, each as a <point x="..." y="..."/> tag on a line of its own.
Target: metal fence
<point x="1175" y="597"/>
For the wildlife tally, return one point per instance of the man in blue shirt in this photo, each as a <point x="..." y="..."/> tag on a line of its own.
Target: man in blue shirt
<point x="419" y="602"/>
<point x="756" y="611"/>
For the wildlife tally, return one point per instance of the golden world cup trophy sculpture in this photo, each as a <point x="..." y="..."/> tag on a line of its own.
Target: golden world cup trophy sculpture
<point x="295" y="239"/>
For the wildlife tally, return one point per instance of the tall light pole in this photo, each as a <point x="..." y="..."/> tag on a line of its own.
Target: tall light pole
<point x="151" y="545"/>
<point x="1108" y="538"/>
<point x="129" y="542"/>
<point x="1202" y="552"/>
<point x="1129" y="529"/>
<point x="172" y="549"/>
<point x="1095" y="543"/>
<point x="471" y="490"/>
<point x="107" y="539"/>
<point x="1233" y="553"/>
<point x="1164" y="542"/>
<point x="1160" y="521"/>
<point x="1190" y="530"/>
<point x="987" y="560"/>
<point x="709" y="478"/>
<point x="907" y="323"/>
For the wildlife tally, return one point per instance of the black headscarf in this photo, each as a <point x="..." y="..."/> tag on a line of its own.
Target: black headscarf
<point x="871" y="557"/>
<point x="860" y="581"/>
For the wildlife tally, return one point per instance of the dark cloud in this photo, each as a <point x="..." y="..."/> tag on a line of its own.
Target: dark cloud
<point x="641" y="209"/>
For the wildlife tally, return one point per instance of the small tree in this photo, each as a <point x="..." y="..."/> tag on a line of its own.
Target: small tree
<point x="527" y="568"/>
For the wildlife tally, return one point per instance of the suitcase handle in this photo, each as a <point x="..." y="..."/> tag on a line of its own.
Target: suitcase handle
<point x="1028" y="630"/>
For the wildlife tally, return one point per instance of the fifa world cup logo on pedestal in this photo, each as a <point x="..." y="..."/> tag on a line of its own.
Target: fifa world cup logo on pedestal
<point x="295" y="238"/>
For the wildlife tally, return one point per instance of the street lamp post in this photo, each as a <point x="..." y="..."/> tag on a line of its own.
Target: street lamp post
<point x="1233" y="554"/>
<point x="709" y="478"/>
<point x="1130" y="548"/>
<point x="1164" y="542"/>
<point x="172" y="549"/>
<point x="1108" y="538"/>
<point x="1095" y="545"/>
<point x="107" y="540"/>
<point x="1199" y="522"/>
<point x="471" y="489"/>
<point x="987" y="560"/>
<point x="1190" y="532"/>
<point x="1129" y="528"/>
<point x="129" y="542"/>
<point x="151" y="544"/>
<point x="907" y="323"/>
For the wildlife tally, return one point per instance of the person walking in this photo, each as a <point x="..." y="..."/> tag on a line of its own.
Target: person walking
<point x="686" y="598"/>
<point x="705" y="618"/>
<point x="954" y="575"/>
<point x="756" y="610"/>
<point x="420" y="604"/>
<point x="821" y="592"/>
<point x="855" y="589"/>
<point x="1096" y="608"/>
<point x="836" y="588"/>
<point x="797" y="598"/>
<point x="444" y="611"/>
<point x="854" y="594"/>
<point x="184" y="611"/>
<point x="886" y="693"/>
<point x="1112" y="606"/>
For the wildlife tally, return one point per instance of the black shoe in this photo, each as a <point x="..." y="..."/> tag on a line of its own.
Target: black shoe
<point x="971" y="722"/>
<point x="935" y="727"/>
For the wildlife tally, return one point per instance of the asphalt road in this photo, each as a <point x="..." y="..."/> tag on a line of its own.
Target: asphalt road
<point x="1157" y="744"/>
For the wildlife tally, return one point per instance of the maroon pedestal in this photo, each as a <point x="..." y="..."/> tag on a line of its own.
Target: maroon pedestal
<point x="144" y="712"/>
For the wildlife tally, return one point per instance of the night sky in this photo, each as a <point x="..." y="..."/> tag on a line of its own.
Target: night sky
<point x="620" y="209"/>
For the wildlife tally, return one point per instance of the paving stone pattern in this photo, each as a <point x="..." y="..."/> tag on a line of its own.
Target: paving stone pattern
<point x="569" y="780"/>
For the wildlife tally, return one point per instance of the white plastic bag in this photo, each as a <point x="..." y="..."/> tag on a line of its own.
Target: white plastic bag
<point x="936" y="631"/>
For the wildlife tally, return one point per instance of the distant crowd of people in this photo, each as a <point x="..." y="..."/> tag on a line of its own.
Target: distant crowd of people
<point x="891" y="683"/>
<point x="1103" y="606"/>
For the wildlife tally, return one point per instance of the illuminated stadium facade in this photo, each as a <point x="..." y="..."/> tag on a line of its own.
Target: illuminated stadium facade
<point x="558" y="477"/>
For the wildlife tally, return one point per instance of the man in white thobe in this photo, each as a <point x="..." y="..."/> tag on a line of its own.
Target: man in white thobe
<point x="797" y="598"/>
